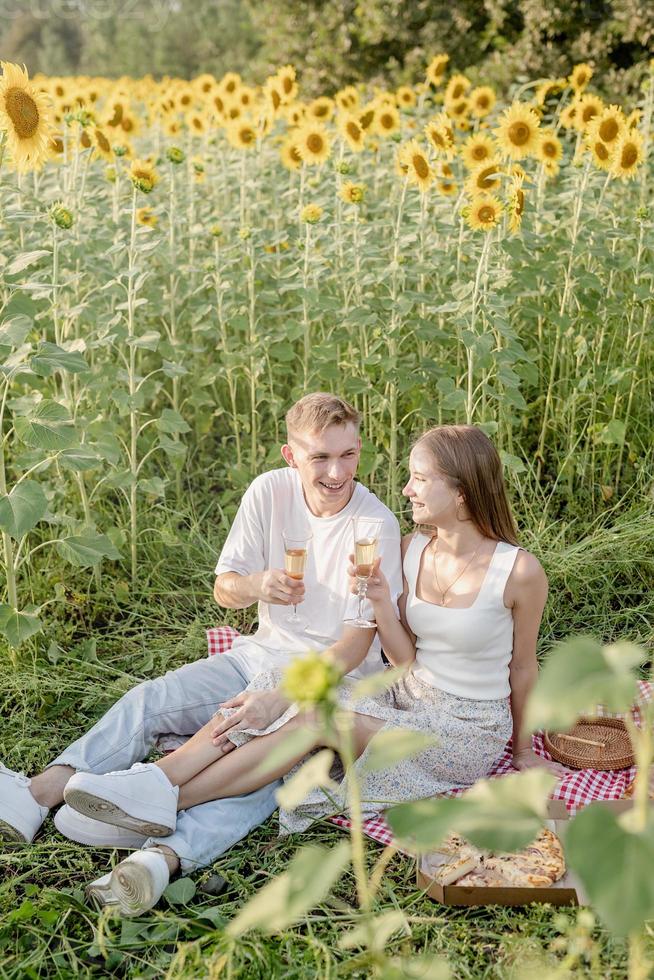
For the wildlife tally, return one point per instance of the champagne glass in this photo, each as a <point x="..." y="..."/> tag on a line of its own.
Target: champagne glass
<point x="295" y="560"/>
<point x="367" y="532"/>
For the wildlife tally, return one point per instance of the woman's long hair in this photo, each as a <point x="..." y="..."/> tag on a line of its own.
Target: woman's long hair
<point x="471" y="464"/>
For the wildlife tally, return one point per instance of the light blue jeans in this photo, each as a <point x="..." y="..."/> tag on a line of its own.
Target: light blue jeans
<point x="181" y="701"/>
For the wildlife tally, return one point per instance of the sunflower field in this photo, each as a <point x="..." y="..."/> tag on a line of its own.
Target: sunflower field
<point x="180" y="261"/>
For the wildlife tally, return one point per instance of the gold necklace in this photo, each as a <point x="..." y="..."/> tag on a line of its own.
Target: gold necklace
<point x="467" y="564"/>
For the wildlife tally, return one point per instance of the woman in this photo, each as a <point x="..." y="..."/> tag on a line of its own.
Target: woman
<point x="469" y="619"/>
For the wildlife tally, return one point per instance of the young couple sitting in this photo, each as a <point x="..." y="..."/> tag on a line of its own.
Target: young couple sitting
<point x="457" y="603"/>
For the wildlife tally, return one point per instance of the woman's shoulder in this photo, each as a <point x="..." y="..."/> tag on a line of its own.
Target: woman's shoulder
<point x="407" y="539"/>
<point x="526" y="575"/>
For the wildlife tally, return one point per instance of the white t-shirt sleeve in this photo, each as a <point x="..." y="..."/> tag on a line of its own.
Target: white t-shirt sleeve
<point x="243" y="550"/>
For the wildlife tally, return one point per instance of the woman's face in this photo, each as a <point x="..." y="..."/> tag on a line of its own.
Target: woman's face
<point x="433" y="500"/>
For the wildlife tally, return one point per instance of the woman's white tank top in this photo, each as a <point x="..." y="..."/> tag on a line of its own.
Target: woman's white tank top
<point x="465" y="652"/>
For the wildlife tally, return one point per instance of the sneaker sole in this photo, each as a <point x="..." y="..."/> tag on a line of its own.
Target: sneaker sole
<point x="100" y="837"/>
<point x="106" y="812"/>
<point x="132" y="890"/>
<point x="11" y="835"/>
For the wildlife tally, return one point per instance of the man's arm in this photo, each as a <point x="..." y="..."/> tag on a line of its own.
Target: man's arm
<point x="235" y="591"/>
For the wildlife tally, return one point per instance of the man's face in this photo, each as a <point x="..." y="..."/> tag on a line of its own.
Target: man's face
<point x="326" y="462"/>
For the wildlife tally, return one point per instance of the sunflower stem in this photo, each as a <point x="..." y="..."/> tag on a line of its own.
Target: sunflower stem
<point x="481" y="266"/>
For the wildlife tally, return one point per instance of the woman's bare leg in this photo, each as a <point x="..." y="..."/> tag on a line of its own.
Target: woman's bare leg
<point x="194" y="756"/>
<point x="236" y="774"/>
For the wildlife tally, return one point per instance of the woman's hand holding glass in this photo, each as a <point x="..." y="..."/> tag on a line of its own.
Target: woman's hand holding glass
<point x="378" y="590"/>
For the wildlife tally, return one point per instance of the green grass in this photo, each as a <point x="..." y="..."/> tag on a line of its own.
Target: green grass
<point x="601" y="581"/>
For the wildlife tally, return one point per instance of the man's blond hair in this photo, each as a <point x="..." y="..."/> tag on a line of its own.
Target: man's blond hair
<point x="317" y="411"/>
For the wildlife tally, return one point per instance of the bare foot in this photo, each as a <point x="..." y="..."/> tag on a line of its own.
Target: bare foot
<point x="48" y="787"/>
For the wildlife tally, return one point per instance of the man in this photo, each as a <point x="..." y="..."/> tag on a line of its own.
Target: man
<point x="315" y="493"/>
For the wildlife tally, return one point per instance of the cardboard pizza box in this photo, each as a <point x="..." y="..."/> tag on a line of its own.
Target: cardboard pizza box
<point x="567" y="891"/>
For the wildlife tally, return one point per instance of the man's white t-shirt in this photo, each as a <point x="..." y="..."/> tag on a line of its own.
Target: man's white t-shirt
<point x="274" y="502"/>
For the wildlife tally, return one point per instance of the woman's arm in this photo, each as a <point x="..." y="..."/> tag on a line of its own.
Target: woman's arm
<point x="526" y="594"/>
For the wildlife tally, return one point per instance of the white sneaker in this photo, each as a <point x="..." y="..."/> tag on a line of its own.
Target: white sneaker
<point x="141" y="799"/>
<point x="20" y="814"/>
<point x="135" y="885"/>
<point x="75" y="826"/>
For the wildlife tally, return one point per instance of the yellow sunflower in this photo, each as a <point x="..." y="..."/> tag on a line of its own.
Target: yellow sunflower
<point x="321" y="109"/>
<point x="143" y="175"/>
<point x="515" y="205"/>
<point x="482" y="100"/>
<point x="633" y="119"/>
<point x="296" y="114"/>
<point x="580" y="76"/>
<point x="440" y="134"/>
<point x="230" y="82"/>
<point x="548" y="88"/>
<point x="347" y="99"/>
<point x="418" y="169"/>
<point x="287" y="84"/>
<point x="352" y="132"/>
<point x="517" y="132"/>
<point x="550" y="168"/>
<point x="196" y="124"/>
<point x="629" y="154"/>
<point x="568" y="117"/>
<point x="484" y="178"/>
<point x="549" y="146"/>
<point x="146" y="216"/>
<point x="446" y="187"/>
<point x="436" y="69"/>
<point x="289" y="154"/>
<point x="456" y="88"/>
<point x="477" y="149"/>
<point x="311" y="214"/>
<point x="26" y="117"/>
<point x="101" y="145"/>
<point x="387" y="121"/>
<point x="600" y="151"/>
<point x="483" y="212"/>
<point x="352" y="193"/>
<point x="405" y="97"/>
<point x="313" y="144"/>
<point x="458" y="112"/>
<point x="367" y="117"/>
<point x="588" y="106"/>
<point x="272" y="95"/>
<point x="609" y="125"/>
<point x="242" y="135"/>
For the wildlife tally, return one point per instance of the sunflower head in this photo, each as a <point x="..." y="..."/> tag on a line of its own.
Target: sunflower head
<point x="416" y="161"/>
<point x="242" y="135"/>
<point x="143" y="176"/>
<point x="608" y="125"/>
<point x="347" y="99"/>
<point x="352" y="193"/>
<point x="628" y="156"/>
<point x="477" y="149"/>
<point x="61" y="216"/>
<point x="406" y="97"/>
<point x="313" y="144"/>
<point x="352" y="132"/>
<point x="484" y="178"/>
<point x="588" y="107"/>
<point x="311" y="214"/>
<point x="26" y="116"/>
<point x="483" y="212"/>
<point x="436" y="69"/>
<point x="147" y="217"/>
<point x="456" y="88"/>
<point x="286" y="84"/>
<point x="549" y="146"/>
<point x="321" y="108"/>
<point x="387" y="120"/>
<point x="482" y="100"/>
<point x="289" y="154"/>
<point x="580" y="76"/>
<point x="175" y="155"/>
<point x="440" y="134"/>
<point x="515" y="205"/>
<point x="517" y="132"/>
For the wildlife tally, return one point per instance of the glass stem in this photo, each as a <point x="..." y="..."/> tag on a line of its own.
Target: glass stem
<point x="363" y="584"/>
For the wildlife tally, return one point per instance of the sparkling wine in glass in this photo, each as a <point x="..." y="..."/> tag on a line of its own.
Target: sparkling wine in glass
<point x="295" y="559"/>
<point x="367" y="532"/>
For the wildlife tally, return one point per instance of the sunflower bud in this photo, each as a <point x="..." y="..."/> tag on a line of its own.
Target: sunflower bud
<point x="311" y="680"/>
<point x="244" y="233"/>
<point x="62" y="217"/>
<point x="343" y="167"/>
<point x="311" y="214"/>
<point x="175" y="155"/>
<point x="643" y="213"/>
<point x="216" y="231"/>
<point x="119" y="150"/>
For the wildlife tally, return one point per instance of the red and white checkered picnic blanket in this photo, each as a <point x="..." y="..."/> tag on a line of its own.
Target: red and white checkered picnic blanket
<point x="577" y="789"/>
